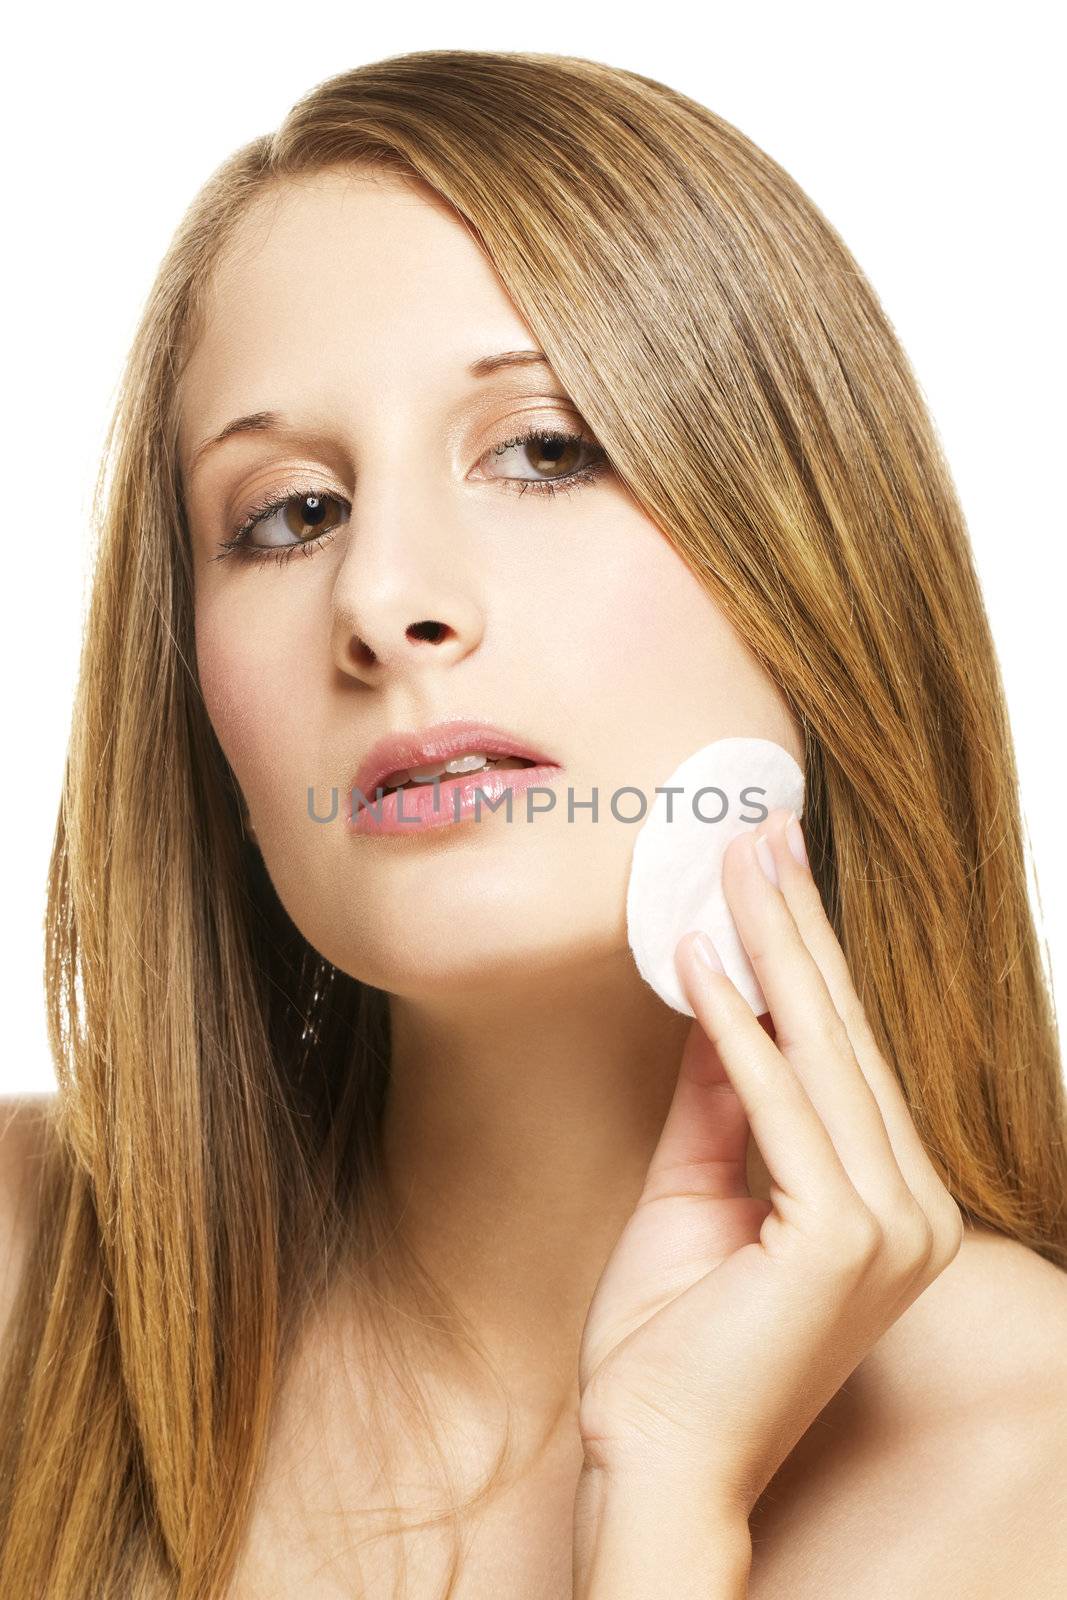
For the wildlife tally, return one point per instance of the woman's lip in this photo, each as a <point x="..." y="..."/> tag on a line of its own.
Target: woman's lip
<point x="446" y="801"/>
<point x="391" y="778"/>
<point x="399" y="752"/>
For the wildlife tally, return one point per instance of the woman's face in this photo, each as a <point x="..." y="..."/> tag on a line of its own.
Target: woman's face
<point x="353" y="306"/>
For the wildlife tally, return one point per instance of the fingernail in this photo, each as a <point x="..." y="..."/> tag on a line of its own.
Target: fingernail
<point x="765" y="858"/>
<point x="795" y="840"/>
<point x="707" y="954"/>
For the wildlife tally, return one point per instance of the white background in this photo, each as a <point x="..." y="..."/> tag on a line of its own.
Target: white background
<point x="928" y="135"/>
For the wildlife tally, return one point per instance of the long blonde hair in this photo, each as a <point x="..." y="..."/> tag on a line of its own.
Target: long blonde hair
<point x="211" y="1157"/>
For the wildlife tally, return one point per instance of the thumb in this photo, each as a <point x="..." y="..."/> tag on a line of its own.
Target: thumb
<point x="705" y="1135"/>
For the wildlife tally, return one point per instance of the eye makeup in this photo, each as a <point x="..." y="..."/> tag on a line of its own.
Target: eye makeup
<point x="239" y="540"/>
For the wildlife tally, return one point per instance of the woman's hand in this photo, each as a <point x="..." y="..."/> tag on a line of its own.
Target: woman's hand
<point x="722" y="1323"/>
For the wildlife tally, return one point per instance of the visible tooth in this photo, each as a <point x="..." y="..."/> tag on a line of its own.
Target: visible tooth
<point x="459" y="764"/>
<point x="469" y="763"/>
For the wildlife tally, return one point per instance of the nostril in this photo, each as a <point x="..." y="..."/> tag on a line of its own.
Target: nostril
<point x="363" y="654"/>
<point x="427" y="630"/>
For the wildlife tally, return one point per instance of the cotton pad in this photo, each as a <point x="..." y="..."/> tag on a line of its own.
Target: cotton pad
<point x="675" y="881"/>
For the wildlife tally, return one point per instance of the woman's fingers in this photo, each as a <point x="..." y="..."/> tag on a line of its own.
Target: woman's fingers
<point x="809" y="1032"/>
<point x="796" y="1148"/>
<point x="704" y="1142"/>
<point x="723" y="1328"/>
<point x="814" y="1109"/>
<point x="805" y="903"/>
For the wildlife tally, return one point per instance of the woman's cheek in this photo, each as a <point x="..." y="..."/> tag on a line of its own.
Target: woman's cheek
<point x="237" y="692"/>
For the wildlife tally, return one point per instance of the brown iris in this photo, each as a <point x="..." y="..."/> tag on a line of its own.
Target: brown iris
<point x="545" y="453"/>
<point x="306" y="515"/>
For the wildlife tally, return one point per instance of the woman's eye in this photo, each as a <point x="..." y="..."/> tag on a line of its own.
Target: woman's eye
<point x="554" y="453"/>
<point x="560" y="458"/>
<point x="301" y="516"/>
<point x="305" y="519"/>
<point x="309" y="515"/>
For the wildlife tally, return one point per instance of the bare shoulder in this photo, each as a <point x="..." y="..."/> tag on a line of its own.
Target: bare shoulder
<point x="1015" y="1372"/>
<point x="940" y="1467"/>
<point x="1002" y="1308"/>
<point x="24" y="1124"/>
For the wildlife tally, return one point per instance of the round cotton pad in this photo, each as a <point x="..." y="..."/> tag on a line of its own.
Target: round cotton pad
<point x="676" y="872"/>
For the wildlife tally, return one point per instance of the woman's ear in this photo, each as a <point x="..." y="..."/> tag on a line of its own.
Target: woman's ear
<point x="246" y="823"/>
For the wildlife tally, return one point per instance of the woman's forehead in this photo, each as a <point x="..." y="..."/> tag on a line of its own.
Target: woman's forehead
<point x="344" y="290"/>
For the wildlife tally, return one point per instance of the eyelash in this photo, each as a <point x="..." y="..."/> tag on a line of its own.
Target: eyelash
<point x="238" y="542"/>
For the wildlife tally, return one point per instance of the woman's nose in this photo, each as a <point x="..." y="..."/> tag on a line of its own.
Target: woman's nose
<point x="391" y="649"/>
<point x="403" y="621"/>
<point x="404" y="596"/>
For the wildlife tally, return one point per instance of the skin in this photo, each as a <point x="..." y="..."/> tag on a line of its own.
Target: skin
<point x="503" y="946"/>
<point x="533" y="1069"/>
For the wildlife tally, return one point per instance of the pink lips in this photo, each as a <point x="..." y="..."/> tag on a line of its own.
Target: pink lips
<point x="449" y="798"/>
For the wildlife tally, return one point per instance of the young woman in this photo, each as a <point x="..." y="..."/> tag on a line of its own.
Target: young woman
<point x="388" y="1234"/>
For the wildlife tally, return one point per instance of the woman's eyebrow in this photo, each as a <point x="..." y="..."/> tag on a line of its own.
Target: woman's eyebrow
<point x="487" y="365"/>
<point x="275" y="421"/>
<point x="255" y="422"/>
